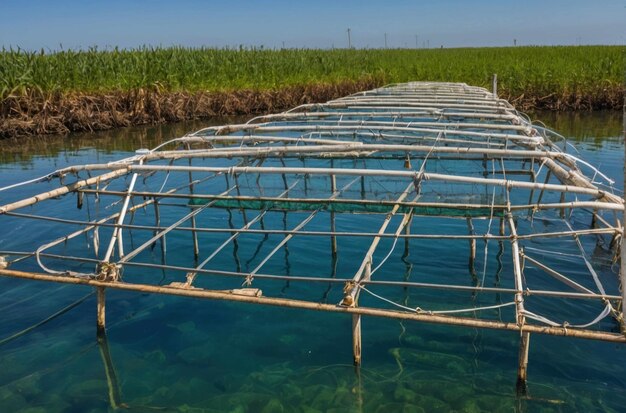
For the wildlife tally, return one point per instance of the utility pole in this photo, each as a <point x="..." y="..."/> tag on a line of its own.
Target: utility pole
<point x="385" y="40"/>
<point x="349" y="40"/>
<point x="417" y="45"/>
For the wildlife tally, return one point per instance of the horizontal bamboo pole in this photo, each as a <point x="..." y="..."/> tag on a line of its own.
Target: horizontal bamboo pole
<point x="526" y="129"/>
<point x="289" y="303"/>
<point x="557" y="234"/>
<point x="326" y="280"/>
<point x="349" y="172"/>
<point x="261" y="128"/>
<point x="308" y="138"/>
<point x="374" y="114"/>
<point x="122" y="170"/>
<point x="351" y="149"/>
<point x="443" y="205"/>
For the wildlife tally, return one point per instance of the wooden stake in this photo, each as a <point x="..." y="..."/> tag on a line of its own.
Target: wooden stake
<point x="356" y="339"/>
<point x="101" y="310"/>
<point x="472" y="245"/>
<point x="522" y="371"/>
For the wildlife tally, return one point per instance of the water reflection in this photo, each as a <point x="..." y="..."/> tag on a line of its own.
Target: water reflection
<point x="591" y="127"/>
<point x="21" y="150"/>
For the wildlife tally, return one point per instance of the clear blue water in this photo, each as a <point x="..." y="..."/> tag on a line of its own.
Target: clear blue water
<point x="188" y="355"/>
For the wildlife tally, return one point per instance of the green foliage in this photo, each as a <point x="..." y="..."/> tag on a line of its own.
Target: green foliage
<point x="531" y="70"/>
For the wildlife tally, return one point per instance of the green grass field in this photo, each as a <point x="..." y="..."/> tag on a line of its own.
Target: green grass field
<point x="538" y="71"/>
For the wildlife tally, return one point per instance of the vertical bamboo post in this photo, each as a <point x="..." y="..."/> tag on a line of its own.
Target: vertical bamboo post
<point x="356" y="325"/>
<point x="100" y="310"/>
<point x="494" y="85"/>
<point x="333" y="238"/>
<point x="196" y="248"/>
<point x="522" y="371"/>
<point x="356" y="339"/>
<point x="472" y="245"/>
<point x="623" y="242"/>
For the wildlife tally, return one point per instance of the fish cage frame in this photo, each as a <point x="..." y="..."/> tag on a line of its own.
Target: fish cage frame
<point x="421" y="122"/>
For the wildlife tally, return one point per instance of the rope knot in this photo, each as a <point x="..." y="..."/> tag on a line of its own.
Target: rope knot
<point x="108" y="271"/>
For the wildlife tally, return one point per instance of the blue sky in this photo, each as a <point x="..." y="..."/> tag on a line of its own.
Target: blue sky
<point x="321" y="23"/>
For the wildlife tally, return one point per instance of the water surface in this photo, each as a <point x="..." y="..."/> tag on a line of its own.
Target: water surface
<point x="188" y="355"/>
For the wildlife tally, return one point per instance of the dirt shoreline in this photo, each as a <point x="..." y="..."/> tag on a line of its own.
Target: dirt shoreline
<point x="59" y="113"/>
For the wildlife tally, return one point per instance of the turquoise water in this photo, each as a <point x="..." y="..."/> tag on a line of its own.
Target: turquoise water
<point x="180" y="354"/>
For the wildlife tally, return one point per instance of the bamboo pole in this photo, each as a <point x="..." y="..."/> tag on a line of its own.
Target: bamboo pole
<point x="101" y="223"/>
<point x="622" y="241"/>
<point x="347" y="149"/>
<point x="196" y="246"/>
<point x="522" y="371"/>
<point x="472" y="245"/>
<point x="363" y="172"/>
<point x="122" y="170"/>
<point x="101" y="309"/>
<point x="233" y="295"/>
<point x="407" y="204"/>
<point x="403" y="284"/>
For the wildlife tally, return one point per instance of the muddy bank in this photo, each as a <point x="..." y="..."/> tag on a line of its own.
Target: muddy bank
<point x="38" y="114"/>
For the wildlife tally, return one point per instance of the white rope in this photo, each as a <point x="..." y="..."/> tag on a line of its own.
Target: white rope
<point x="607" y="310"/>
<point x="420" y="310"/>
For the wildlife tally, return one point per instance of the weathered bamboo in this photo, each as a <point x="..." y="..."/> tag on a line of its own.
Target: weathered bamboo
<point x="162" y="233"/>
<point x="472" y="246"/>
<point x="101" y="223"/>
<point x="522" y="371"/>
<point x="558" y="276"/>
<point x="63" y="190"/>
<point x="390" y="127"/>
<point x="360" y="172"/>
<point x="283" y="302"/>
<point x="101" y="309"/>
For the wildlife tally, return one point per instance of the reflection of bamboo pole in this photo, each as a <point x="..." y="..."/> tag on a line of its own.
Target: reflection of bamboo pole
<point x="233" y="295"/>
<point x="115" y="399"/>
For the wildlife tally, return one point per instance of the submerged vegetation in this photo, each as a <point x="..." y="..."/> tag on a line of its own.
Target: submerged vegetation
<point x="97" y="89"/>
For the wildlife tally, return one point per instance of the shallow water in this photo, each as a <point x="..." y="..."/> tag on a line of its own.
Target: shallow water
<point x="180" y="354"/>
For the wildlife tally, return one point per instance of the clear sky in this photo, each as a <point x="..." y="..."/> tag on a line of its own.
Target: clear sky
<point x="48" y="24"/>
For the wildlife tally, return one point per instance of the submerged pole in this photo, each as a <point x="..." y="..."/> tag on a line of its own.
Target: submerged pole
<point x="112" y="382"/>
<point x="522" y="370"/>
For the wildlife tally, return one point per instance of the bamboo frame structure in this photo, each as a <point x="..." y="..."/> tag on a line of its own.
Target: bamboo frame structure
<point x="398" y="161"/>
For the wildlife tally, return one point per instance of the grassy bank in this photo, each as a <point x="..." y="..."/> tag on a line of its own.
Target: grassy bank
<point x="82" y="90"/>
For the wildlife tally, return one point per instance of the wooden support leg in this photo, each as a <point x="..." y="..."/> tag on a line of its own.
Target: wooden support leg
<point x="100" y="310"/>
<point x="472" y="245"/>
<point x="522" y="370"/>
<point x="356" y="339"/>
